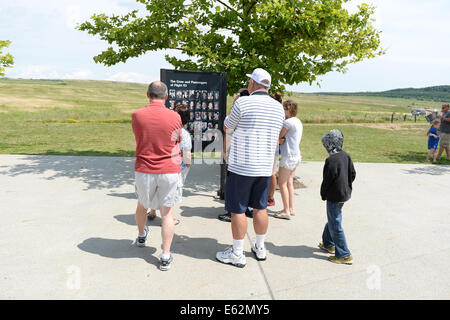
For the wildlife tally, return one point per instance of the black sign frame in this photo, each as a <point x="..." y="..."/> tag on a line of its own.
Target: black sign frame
<point x="191" y="87"/>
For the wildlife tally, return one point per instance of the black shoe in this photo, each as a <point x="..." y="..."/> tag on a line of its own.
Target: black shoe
<point x="249" y="213"/>
<point x="225" y="217"/>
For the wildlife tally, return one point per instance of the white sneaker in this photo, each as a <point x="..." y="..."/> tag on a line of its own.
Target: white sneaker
<point x="229" y="257"/>
<point x="140" y="241"/>
<point x="260" y="253"/>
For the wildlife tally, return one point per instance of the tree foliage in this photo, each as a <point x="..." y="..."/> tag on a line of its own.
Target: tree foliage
<point x="295" y="40"/>
<point x="6" y="60"/>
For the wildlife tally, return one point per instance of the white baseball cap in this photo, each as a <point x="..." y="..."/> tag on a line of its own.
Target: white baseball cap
<point x="261" y="76"/>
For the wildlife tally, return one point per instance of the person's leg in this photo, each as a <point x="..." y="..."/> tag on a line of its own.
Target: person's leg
<point x="238" y="230"/>
<point x="283" y="177"/>
<point x="434" y="154"/>
<point x="168" y="228"/>
<point x="430" y="153"/>
<point x="237" y="192"/>
<point x="141" y="218"/>
<point x="441" y="149"/>
<point x="447" y="151"/>
<point x="290" y="186"/>
<point x="326" y="237"/>
<point x="334" y="215"/>
<point x="260" y="221"/>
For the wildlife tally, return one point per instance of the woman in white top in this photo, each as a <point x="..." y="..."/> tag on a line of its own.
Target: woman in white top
<point x="290" y="138"/>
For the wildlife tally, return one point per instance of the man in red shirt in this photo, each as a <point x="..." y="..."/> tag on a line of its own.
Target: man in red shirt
<point x="157" y="131"/>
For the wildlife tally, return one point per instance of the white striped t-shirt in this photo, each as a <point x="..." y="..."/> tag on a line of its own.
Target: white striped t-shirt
<point x="256" y="121"/>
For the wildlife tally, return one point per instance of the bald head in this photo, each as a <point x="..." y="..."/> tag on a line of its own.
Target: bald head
<point x="157" y="90"/>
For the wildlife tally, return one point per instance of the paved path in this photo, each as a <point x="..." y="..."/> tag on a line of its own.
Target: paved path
<point x="67" y="232"/>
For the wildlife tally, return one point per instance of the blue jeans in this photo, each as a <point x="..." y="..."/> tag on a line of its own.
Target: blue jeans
<point x="333" y="234"/>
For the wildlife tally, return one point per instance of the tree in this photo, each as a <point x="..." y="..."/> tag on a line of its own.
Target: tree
<point x="6" y="60"/>
<point x="295" y="40"/>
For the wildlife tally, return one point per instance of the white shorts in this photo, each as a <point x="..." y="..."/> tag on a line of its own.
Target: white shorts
<point x="158" y="190"/>
<point x="290" y="162"/>
<point x="183" y="174"/>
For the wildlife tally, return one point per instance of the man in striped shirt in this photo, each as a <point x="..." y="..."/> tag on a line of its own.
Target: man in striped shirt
<point x="255" y="123"/>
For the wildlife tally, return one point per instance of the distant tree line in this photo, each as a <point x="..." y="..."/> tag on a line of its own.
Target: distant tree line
<point x="436" y="93"/>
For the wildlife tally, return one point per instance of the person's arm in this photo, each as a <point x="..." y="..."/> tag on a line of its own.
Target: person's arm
<point x="281" y="138"/>
<point x="230" y="123"/>
<point x="352" y="170"/>
<point x="441" y="117"/>
<point x="328" y="178"/>
<point x="187" y="157"/>
<point x="284" y="130"/>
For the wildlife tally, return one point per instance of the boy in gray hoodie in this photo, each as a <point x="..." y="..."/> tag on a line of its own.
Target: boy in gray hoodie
<point x="338" y="176"/>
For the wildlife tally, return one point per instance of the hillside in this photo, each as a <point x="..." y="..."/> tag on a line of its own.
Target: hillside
<point x="436" y="93"/>
<point x="93" y="118"/>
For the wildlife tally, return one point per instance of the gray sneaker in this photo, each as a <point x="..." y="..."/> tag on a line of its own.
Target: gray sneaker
<point x="260" y="253"/>
<point x="140" y="241"/>
<point x="165" y="264"/>
<point x="229" y="257"/>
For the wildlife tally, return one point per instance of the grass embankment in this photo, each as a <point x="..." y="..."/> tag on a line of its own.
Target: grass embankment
<point x="94" y="118"/>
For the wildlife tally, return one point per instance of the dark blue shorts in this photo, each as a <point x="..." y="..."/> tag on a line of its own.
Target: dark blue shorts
<point x="242" y="192"/>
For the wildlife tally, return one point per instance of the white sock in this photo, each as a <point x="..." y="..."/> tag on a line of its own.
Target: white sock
<point x="260" y="240"/>
<point x="165" y="256"/>
<point x="238" y="247"/>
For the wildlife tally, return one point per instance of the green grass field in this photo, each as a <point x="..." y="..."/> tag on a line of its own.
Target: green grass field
<point x="68" y="117"/>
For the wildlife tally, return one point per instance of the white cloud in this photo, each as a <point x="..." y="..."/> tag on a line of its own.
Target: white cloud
<point x="80" y="75"/>
<point x="33" y="72"/>
<point x="130" y="77"/>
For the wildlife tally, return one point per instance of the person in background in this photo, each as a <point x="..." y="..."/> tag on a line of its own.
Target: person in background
<point x="186" y="142"/>
<point x="444" y="133"/>
<point x="338" y="176"/>
<point x="273" y="181"/>
<point x="157" y="132"/>
<point x="433" y="140"/>
<point x="290" y="136"/>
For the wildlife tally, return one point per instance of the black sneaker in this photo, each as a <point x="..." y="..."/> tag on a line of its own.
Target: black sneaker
<point x="225" y="217"/>
<point x="165" y="264"/>
<point x="140" y="241"/>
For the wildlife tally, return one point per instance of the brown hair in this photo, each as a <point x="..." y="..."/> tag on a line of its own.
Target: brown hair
<point x="183" y="110"/>
<point x="277" y="96"/>
<point x="435" y="122"/>
<point x="291" y="106"/>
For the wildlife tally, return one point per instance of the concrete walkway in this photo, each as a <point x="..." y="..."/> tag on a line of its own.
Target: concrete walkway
<point x="67" y="232"/>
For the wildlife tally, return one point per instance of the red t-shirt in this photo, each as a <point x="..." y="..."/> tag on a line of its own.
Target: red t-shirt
<point x="158" y="135"/>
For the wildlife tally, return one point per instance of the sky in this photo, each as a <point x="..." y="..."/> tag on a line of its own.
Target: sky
<point x="46" y="45"/>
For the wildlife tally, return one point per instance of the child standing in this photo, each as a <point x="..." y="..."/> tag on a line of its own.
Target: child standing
<point x="433" y="140"/>
<point x="290" y="138"/>
<point x="338" y="176"/>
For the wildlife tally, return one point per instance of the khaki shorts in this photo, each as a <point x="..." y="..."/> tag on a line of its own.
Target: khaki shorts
<point x="158" y="190"/>
<point x="444" y="140"/>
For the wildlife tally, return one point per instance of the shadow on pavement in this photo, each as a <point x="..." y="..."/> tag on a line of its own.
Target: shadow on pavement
<point x="303" y="252"/>
<point x="118" y="249"/>
<point x="203" y="212"/>
<point x="429" y="170"/>
<point x="197" y="248"/>
<point x="95" y="172"/>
